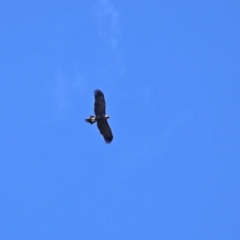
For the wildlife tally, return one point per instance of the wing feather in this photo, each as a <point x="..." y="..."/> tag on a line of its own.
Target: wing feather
<point x="100" y="104"/>
<point x="105" y="130"/>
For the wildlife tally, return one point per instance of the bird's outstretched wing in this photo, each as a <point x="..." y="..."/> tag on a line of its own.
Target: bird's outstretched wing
<point x="105" y="130"/>
<point x="100" y="104"/>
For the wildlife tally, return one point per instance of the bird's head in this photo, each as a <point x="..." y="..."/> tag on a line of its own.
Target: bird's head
<point x="106" y="116"/>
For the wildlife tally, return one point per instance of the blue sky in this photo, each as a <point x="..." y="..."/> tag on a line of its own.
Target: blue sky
<point x="170" y="74"/>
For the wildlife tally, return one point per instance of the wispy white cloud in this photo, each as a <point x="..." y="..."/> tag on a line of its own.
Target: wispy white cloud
<point x="110" y="65"/>
<point x="108" y="22"/>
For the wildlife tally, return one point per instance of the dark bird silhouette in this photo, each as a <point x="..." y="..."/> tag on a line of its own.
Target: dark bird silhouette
<point x="101" y="116"/>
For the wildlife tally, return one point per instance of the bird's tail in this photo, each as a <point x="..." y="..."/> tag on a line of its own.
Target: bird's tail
<point x="91" y="119"/>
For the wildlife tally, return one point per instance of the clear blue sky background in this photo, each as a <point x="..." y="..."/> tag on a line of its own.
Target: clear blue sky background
<point x="170" y="72"/>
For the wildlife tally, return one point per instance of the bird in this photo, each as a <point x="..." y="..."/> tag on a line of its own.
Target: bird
<point x="101" y="116"/>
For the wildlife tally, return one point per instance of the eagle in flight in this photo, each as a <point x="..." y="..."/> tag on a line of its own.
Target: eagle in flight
<point x="101" y="116"/>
